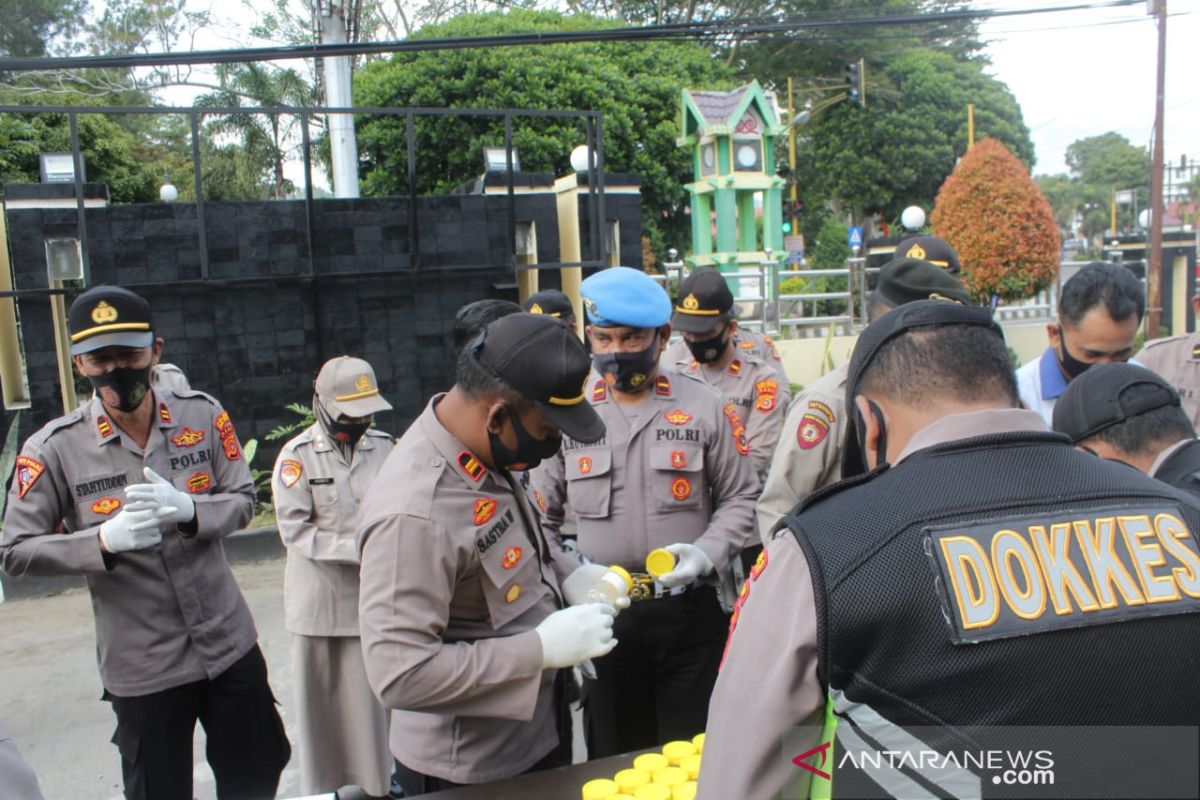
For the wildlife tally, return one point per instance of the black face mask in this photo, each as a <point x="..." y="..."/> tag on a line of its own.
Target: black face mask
<point x="629" y="371"/>
<point x="344" y="432"/>
<point x="529" y="452"/>
<point x="1071" y="365"/>
<point x="123" y="388"/>
<point x="709" y="350"/>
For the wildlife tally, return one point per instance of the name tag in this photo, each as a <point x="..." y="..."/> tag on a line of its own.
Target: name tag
<point x="320" y="481"/>
<point x="1032" y="574"/>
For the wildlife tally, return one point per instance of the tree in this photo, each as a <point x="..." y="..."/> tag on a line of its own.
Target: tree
<point x="1109" y="161"/>
<point x="994" y="215"/>
<point x="635" y="86"/>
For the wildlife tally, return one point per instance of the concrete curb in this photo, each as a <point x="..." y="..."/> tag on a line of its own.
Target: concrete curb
<point x="252" y="544"/>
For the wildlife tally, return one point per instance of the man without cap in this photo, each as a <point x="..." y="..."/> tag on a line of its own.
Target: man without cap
<point x="974" y="576"/>
<point x="809" y="454"/>
<point x="1099" y="311"/>
<point x="1127" y="413"/>
<point x="672" y="472"/>
<point x="1177" y="358"/>
<point x="147" y="482"/>
<point x="471" y="319"/>
<point x="553" y="303"/>
<point x="704" y="314"/>
<point x="319" y="483"/>
<point x="465" y="628"/>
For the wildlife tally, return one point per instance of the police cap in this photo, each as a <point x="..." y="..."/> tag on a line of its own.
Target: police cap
<point x="932" y="249"/>
<point x="703" y="297"/>
<point x="348" y="386"/>
<point x="545" y="362"/>
<point x="551" y="302"/>
<point x="620" y="296"/>
<point x="109" y="316"/>
<point x="906" y="280"/>
<point x="1097" y="399"/>
<point x="895" y="323"/>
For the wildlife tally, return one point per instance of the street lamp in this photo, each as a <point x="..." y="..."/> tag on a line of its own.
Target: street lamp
<point x="167" y="192"/>
<point x="913" y="218"/>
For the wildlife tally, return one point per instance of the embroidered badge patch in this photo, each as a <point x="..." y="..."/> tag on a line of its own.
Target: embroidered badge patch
<point x="189" y="438"/>
<point x="811" y="433"/>
<point x="27" y="473"/>
<point x="289" y="472"/>
<point x="106" y="505"/>
<point x="585" y="465"/>
<point x="485" y="509"/>
<point x="199" y="482"/>
<point x="512" y="557"/>
<point x="678" y="417"/>
<point x="681" y="489"/>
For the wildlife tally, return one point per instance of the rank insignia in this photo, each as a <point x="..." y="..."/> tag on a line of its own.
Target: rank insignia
<point x="662" y="386"/>
<point x="199" y="482"/>
<point x="694" y="366"/>
<point x="189" y="438"/>
<point x="106" y="505"/>
<point x="540" y="500"/>
<point x="485" y="509"/>
<point x="512" y="557"/>
<point x="471" y="465"/>
<point x="164" y="413"/>
<point x="27" y="474"/>
<point x="289" y="472"/>
<point x="811" y="433"/>
<point x="104" y="426"/>
<point x="585" y="465"/>
<point x="678" y="459"/>
<point x="735" y="367"/>
<point x="678" y="417"/>
<point x="513" y="593"/>
<point x="681" y="489"/>
<point x="599" y="391"/>
<point x="1196" y="352"/>
<point x="746" y="345"/>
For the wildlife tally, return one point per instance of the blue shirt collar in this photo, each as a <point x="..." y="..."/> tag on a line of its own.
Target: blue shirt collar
<point x="1053" y="381"/>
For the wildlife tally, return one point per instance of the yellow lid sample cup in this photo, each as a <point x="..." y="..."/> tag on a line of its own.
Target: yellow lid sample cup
<point x="676" y="752"/>
<point x="630" y="779"/>
<point x="659" y="562"/>
<point x="698" y="740"/>
<point x="670" y="776"/>
<point x="684" y="791"/>
<point x="652" y="791"/>
<point x="599" y="789"/>
<point x="651" y="763"/>
<point x="691" y="765"/>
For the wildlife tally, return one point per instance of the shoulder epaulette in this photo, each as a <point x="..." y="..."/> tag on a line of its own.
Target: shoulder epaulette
<point x="61" y="423"/>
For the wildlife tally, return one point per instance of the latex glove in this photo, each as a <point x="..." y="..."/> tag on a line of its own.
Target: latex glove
<point x="587" y="669"/>
<point x="579" y="584"/>
<point x="130" y="530"/>
<point x="690" y="563"/>
<point x="575" y="634"/>
<point x="161" y="498"/>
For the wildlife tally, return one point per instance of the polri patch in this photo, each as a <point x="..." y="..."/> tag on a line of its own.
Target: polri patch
<point x="289" y="472"/>
<point x="199" y="482"/>
<point x="812" y="432"/>
<point x="106" y="505"/>
<point x="485" y="509"/>
<point x="28" y="471"/>
<point x="189" y="438"/>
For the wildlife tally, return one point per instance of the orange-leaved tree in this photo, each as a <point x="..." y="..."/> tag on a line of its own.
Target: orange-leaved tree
<point x="1001" y="224"/>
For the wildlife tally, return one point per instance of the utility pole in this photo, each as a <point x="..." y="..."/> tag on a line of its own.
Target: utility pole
<point x="792" y="157"/>
<point x="333" y="28"/>
<point x="1154" y="273"/>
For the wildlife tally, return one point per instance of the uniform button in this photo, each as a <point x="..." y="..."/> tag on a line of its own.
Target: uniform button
<point x="435" y="462"/>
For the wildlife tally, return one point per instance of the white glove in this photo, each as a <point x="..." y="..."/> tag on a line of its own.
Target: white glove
<point x="690" y="563"/>
<point x="130" y="530"/>
<point x="575" y="634"/>
<point x="161" y="498"/>
<point x="578" y="586"/>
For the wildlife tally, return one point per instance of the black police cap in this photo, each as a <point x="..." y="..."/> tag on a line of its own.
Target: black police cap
<point x="907" y="280"/>
<point x="550" y="302"/>
<point x="702" y="297"/>
<point x="932" y="249"/>
<point x="1097" y="399"/>
<point x="895" y="323"/>
<point x="109" y="316"/>
<point x="545" y="363"/>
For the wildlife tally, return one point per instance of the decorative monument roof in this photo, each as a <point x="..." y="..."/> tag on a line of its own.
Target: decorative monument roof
<point x="718" y="113"/>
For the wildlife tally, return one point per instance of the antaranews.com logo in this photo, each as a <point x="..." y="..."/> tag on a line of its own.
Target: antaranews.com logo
<point x="1005" y="767"/>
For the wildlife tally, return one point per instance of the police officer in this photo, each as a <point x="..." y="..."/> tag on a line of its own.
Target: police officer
<point x="704" y="314"/>
<point x="463" y="626"/>
<point x="745" y="341"/>
<point x="147" y="482"/>
<point x="472" y="318"/>
<point x="809" y="454"/>
<point x="672" y="472"/>
<point x="932" y="249"/>
<point x="1126" y="413"/>
<point x="1177" y="358"/>
<point x="953" y="587"/>
<point x="321" y="478"/>
<point x="553" y="303"/>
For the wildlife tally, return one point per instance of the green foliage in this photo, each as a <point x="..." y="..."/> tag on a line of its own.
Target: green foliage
<point x="833" y="246"/>
<point x="635" y="85"/>
<point x="307" y="419"/>
<point x="29" y="26"/>
<point x="830" y="252"/>
<point x="1109" y="160"/>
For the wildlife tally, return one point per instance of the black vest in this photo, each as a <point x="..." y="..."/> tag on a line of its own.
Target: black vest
<point x="901" y="559"/>
<point x="1182" y="469"/>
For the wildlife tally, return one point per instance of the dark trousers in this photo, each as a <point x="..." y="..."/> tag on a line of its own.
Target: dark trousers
<point x="247" y="747"/>
<point x="655" y="685"/>
<point x="416" y="784"/>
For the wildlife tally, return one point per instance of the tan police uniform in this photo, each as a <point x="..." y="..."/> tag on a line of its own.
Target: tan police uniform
<point x="165" y="615"/>
<point x="1177" y="358"/>
<point x="809" y="454"/>
<point x="455" y="577"/>
<point x="761" y="398"/>
<point x="746" y="342"/>
<point x="343" y="728"/>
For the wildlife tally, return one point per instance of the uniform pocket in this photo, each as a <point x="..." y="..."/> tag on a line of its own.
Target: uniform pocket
<point x="589" y="481"/>
<point x="510" y="576"/>
<point x="677" y="476"/>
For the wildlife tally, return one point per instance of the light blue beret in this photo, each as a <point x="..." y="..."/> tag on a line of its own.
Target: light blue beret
<point x="624" y="296"/>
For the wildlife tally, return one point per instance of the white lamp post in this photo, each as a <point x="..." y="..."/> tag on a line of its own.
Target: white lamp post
<point x="913" y="218"/>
